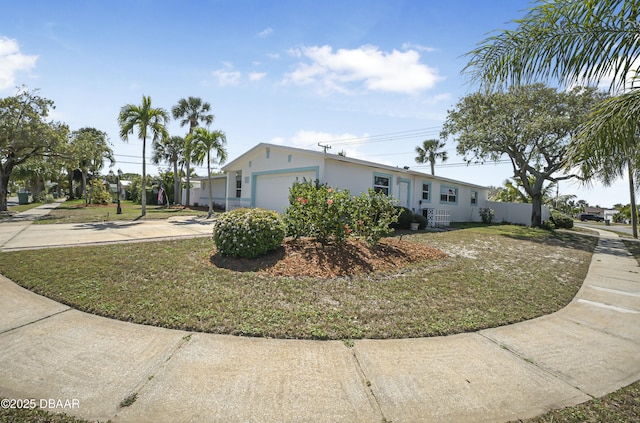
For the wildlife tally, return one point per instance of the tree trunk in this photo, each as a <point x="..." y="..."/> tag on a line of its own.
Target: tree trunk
<point x="70" y="180"/>
<point x="209" y="183"/>
<point x="632" y="195"/>
<point x="84" y="186"/>
<point x="144" y="175"/>
<point x="536" y="210"/>
<point x="433" y="167"/>
<point x="176" y="184"/>
<point x="188" y="188"/>
<point x="4" y="189"/>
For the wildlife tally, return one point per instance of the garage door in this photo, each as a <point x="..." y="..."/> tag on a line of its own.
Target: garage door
<point x="272" y="190"/>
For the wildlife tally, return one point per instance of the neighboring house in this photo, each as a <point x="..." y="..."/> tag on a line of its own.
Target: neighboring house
<point x="262" y="176"/>
<point x="598" y="211"/>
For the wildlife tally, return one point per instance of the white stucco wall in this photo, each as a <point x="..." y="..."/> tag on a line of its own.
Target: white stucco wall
<point x="517" y="213"/>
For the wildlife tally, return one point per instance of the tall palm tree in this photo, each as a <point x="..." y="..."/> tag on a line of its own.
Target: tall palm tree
<point x="192" y="111"/>
<point x="204" y="142"/>
<point x="145" y="119"/>
<point x="170" y="150"/>
<point x="577" y="42"/>
<point x="431" y="151"/>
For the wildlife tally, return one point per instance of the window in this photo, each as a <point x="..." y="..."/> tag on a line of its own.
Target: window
<point x="474" y="198"/>
<point x="238" y="188"/>
<point x="381" y="184"/>
<point x="448" y="194"/>
<point x="426" y="191"/>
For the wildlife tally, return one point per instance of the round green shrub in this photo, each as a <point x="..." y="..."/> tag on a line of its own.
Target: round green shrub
<point x="420" y="220"/>
<point x="561" y="221"/>
<point x="248" y="233"/>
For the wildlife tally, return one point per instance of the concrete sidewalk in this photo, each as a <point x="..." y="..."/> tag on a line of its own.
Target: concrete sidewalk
<point x="590" y="348"/>
<point x="17" y="233"/>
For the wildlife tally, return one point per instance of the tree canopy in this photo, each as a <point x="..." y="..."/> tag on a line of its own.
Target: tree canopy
<point x="25" y="134"/>
<point x="530" y="124"/>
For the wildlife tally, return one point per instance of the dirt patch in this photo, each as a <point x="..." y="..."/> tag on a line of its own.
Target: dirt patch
<point x="305" y="257"/>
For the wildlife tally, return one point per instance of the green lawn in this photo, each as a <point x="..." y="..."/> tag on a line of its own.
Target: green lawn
<point x="494" y="276"/>
<point x="481" y="255"/>
<point x="75" y="211"/>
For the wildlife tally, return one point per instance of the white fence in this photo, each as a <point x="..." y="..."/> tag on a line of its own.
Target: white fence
<point x="518" y="213"/>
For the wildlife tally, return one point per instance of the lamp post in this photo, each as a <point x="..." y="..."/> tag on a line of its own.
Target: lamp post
<point x="119" y="209"/>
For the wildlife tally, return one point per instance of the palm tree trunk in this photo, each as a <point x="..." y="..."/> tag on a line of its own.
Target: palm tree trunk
<point x="433" y="165"/>
<point x="209" y="183"/>
<point x="176" y="183"/>
<point x="632" y="195"/>
<point x="144" y="175"/>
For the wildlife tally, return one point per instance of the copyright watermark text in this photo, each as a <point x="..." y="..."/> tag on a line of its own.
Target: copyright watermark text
<point x="48" y="403"/>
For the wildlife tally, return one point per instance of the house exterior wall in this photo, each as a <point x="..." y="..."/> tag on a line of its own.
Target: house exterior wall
<point x="262" y="177"/>
<point x="274" y="168"/>
<point x="219" y="191"/>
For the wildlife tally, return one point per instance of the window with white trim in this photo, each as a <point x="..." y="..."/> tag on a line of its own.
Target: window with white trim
<point x="238" y="188"/>
<point x="448" y="194"/>
<point x="381" y="184"/>
<point x="426" y="191"/>
<point x="474" y="198"/>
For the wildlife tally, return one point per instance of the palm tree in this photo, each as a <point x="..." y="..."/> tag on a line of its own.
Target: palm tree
<point x="144" y="118"/>
<point x="191" y="111"/>
<point x="205" y="141"/>
<point x="577" y="42"/>
<point x="170" y="150"/>
<point x="431" y="151"/>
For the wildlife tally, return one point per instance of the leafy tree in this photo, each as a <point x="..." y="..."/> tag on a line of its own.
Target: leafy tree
<point x="25" y="134"/>
<point x="514" y="192"/>
<point x="170" y="150"/>
<point x="431" y="151"/>
<point x="145" y="119"/>
<point x="89" y="149"/>
<point x="530" y="124"/>
<point x="192" y="111"/>
<point x="203" y="142"/>
<point x="578" y="42"/>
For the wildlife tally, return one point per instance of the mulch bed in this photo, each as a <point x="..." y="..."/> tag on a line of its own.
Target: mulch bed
<point x="306" y="257"/>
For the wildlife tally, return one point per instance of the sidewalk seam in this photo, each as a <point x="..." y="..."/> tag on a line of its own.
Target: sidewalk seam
<point x="37" y="320"/>
<point x="531" y="362"/>
<point x="360" y="369"/>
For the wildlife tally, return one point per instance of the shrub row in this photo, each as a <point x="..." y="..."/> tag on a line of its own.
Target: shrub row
<point x="248" y="233"/>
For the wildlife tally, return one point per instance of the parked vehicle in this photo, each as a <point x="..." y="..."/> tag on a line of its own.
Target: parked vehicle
<point x="584" y="217"/>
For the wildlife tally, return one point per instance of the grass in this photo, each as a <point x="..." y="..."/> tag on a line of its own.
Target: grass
<point x="493" y="276"/>
<point x="75" y="211"/>
<point x="621" y="406"/>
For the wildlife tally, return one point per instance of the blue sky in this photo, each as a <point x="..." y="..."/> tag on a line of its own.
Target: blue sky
<point x="371" y="78"/>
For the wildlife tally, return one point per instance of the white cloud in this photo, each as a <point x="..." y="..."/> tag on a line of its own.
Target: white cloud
<point x="265" y="33"/>
<point x="418" y="47"/>
<point x="365" y="67"/>
<point x="227" y="76"/>
<point x="12" y="61"/>
<point x="256" y="76"/>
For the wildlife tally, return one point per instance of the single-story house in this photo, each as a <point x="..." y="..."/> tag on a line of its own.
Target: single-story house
<point x="262" y="176"/>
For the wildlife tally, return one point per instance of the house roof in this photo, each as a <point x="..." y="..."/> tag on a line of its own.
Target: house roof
<point x="335" y="157"/>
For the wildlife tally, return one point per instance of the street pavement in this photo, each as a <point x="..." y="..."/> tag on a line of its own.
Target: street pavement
<point x="52" y="352"/>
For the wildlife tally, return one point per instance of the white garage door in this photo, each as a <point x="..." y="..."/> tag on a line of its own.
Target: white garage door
<point x="272" y="191"/>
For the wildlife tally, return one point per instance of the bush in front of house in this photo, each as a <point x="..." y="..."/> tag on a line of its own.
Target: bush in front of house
<point x="405" y="218"/>
<point x="248" y="233"/>
<point x="420" y="220"/>
<point x="487" y="215"/>
<point x="561" y="221"/>
<point x="332" y="215"/>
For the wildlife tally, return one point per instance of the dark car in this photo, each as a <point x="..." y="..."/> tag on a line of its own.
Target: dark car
<point x="585" y="217"/>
